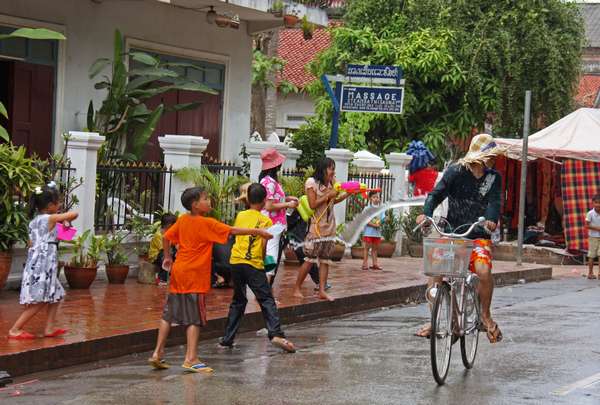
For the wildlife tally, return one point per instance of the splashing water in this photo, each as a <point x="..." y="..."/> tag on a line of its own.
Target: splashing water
<point x="353" y="230"/>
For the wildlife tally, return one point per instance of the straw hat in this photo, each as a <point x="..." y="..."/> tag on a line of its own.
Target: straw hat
<point x="482" y="148"/>
<point x="243" y="198"/>
<point x="271" y="158"/>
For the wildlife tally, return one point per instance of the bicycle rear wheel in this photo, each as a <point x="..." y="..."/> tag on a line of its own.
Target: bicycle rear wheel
<point x="441" y="334"/>
<point x="470" y="340"/>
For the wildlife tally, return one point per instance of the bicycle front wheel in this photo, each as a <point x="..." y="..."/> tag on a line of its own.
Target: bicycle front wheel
<point x="470" y="339"/>
<point x="441" y="333"/>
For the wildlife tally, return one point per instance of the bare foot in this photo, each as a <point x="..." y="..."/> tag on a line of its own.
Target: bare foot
<point x="324" y="296"/>
<point x="296" y="293"/>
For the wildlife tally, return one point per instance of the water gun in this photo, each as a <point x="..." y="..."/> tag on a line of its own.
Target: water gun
<point x="354" y="187"/>
<point x="304" y="208"/>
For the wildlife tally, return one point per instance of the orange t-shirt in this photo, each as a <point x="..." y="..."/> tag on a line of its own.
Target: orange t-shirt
<point x="195" y="236"/>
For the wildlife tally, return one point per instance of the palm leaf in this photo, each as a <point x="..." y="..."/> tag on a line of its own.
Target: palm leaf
<point x="143" y="133"/>
<point x="144" y="58"/>
<point x="34" y="33"/>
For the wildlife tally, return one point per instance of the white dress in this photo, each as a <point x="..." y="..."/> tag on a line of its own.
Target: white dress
<point x="40" y="282"/>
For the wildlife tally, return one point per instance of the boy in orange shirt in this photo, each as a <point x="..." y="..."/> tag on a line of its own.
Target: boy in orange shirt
<point x="195" y="234"/>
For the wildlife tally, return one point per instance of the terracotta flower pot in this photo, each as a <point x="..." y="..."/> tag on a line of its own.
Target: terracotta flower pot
<point x="5" y="262"/>
<point x="117" y="273"/>
<point x="357" y="252"/>
<point x="222" y="21"/>
<point x="290" y="20"/>
<point x="80" y="277"/>
<point x="386" y="249"/>
<point x="338" y="252"/>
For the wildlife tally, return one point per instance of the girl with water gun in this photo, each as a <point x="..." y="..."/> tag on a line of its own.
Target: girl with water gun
<point x="321" y="196"/>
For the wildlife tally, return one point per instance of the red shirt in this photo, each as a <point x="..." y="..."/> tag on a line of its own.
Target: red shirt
<point x="424" y="180"/>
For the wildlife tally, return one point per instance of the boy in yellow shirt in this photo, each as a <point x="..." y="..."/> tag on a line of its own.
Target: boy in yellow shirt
<point x="155" y="251"/>
<point x="248" y="269"/>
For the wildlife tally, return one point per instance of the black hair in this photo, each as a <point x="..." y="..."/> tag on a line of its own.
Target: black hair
<point x="596" y="198"/>
<point x="167" y="219"/>
<point x="321" y="169"/>
<point x="191" y="195"/>
<point x="256" y="193"/>
<point x="272" y="172"/>
<point x="373" y="192"/>
<point x="42" y="197"/>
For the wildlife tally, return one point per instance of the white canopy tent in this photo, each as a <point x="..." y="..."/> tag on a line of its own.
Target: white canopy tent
<point x="575" y="136"/>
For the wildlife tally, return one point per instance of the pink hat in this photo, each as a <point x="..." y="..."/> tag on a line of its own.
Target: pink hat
<point x="271" y="158"/>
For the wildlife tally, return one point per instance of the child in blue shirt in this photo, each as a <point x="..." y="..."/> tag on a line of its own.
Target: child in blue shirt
<point x="372" y="234"/>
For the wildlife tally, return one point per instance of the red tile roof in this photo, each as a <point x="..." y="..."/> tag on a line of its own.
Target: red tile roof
<point x="589" y="85"/>
<point x="298" y="53"/>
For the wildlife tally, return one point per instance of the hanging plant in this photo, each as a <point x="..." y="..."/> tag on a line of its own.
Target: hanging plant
<point x="222" y="21"/>
<point x="234" y="22"/>
<point x="277" y="8"/>
<point x="308" y="29"/>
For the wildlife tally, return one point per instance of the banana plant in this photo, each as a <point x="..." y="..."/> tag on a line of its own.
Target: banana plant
<point x="123" y="118"/>
<point x="27" y="33"/>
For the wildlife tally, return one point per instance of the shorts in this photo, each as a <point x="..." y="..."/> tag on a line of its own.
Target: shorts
<point x="185" y="309"/>
<point x="372" y="240"/>
<point x="593" y="247"/>
<point x="318" y="252"/>
<point x="482" y="253"/>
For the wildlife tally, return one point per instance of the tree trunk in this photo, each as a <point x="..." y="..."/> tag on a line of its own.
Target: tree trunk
<point x="257" y="121"/>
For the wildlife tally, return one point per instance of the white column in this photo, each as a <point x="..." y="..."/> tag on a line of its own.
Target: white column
<point x="292" y="156"/>
<point x="367" y="162"/>
<point x="180" y="151"/>
<point x="342" y="158"/>
<point x="398" y="163"/>
<point x="82" y="150"/>
<point x="254" y="149"/>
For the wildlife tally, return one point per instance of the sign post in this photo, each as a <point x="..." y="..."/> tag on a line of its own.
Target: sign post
<point x="522" y="191"/>
<point x="355" y="92"/>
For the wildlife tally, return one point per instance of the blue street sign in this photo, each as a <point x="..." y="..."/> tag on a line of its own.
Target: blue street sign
<point x="379" y="99"/>
<point x="374" y="71"/>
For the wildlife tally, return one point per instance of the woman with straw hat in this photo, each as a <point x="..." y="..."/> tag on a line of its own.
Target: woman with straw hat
<point x="473" y="189"/>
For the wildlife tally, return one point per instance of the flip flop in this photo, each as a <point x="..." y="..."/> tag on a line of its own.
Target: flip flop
<point x="196" y="368"/>
<point x="376" y="268"/>
<point x="591" y="277"/>
<point x="494" y="334"/>
<point x="56" y="333"/>
<point x="283" y="344"/>
<point x="425" y="331"/>
<point x="22" y="336"/>
<point x="158" y="364"/>
<point x="365" y="268"/>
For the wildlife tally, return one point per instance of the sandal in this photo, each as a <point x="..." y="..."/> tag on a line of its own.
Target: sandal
<point x="283" y="344"/>
<point x="22" y="336"/>
<point x="494" y="334"/>
<point x="591" y="277"/>
<point x="425" y="331"/>
<point x="56" y="333"/>
<point x="376" y="267"/>
<point x="196" y="368"/>
<point x="365" y="268"/>
<point x="158" y="364"/>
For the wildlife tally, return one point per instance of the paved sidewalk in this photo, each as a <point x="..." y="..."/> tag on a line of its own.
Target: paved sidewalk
<point x="113" y="320"/>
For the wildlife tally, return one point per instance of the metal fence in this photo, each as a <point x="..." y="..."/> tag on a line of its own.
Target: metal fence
<point x="226" y="206"/>
<point x="127" y="190"/>
<point x="385" y="182"/>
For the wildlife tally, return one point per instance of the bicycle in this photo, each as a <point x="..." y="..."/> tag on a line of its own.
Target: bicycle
<point x="456" y="311"/>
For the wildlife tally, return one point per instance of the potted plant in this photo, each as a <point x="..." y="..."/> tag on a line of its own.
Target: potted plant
<point x="234" y="22"/>
<point x="277" y="8"/>
<point x="290" y="17"/>
<point x="389" y="227"/>
<point x="18" y="177"/>
<point x="339" y="248"/>
<point x="117" y="268"/>
<point x="308" y="29"/>
<point x="414" y="240"/>
<point x="82" y="267"/>
<point x="142" y="231"/>
<point x="356" y="251"/>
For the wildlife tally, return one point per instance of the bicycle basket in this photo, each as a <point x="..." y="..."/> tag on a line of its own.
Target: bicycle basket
<point x="447" y="257"/>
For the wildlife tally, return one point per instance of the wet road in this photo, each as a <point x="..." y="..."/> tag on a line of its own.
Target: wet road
<point x="550" y="354"/>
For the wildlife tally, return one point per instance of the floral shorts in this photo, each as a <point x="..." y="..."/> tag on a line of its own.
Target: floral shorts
<point x="482" y="253"/>
<point x="318" y="252"/>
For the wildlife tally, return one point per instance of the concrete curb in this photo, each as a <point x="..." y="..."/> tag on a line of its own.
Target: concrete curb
<point x="119" y="345"/>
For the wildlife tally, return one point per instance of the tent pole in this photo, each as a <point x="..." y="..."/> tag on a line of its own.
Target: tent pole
<point x="522" y="191"/>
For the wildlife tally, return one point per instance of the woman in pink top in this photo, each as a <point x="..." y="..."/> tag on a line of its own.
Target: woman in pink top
<point x="277" y="203"/>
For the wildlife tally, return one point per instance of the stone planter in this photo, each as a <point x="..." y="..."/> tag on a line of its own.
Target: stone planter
<point x="415" y="249"/>
<point x="117" y="273"/>
<point x="80" y="277"/>
<point x="386" y="249"/>
<point x="146" y="272"/>
<point x="357" y="252"/>
<point x="5" y="262"/>
<point x="338" y="252"/>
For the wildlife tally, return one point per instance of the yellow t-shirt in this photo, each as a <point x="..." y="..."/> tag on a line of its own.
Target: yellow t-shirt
<point x="156" y="245"/>
<point x="250" y="249"/>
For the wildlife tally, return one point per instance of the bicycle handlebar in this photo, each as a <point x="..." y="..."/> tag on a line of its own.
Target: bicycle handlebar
<point x="480" y="222"/>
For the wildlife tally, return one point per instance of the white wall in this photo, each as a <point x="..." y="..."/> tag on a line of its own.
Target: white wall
<point x="293" y="104"/>
<point x="89" y="28"/>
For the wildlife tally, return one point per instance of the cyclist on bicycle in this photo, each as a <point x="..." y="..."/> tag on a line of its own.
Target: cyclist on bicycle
<point x="473" y="189"/>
